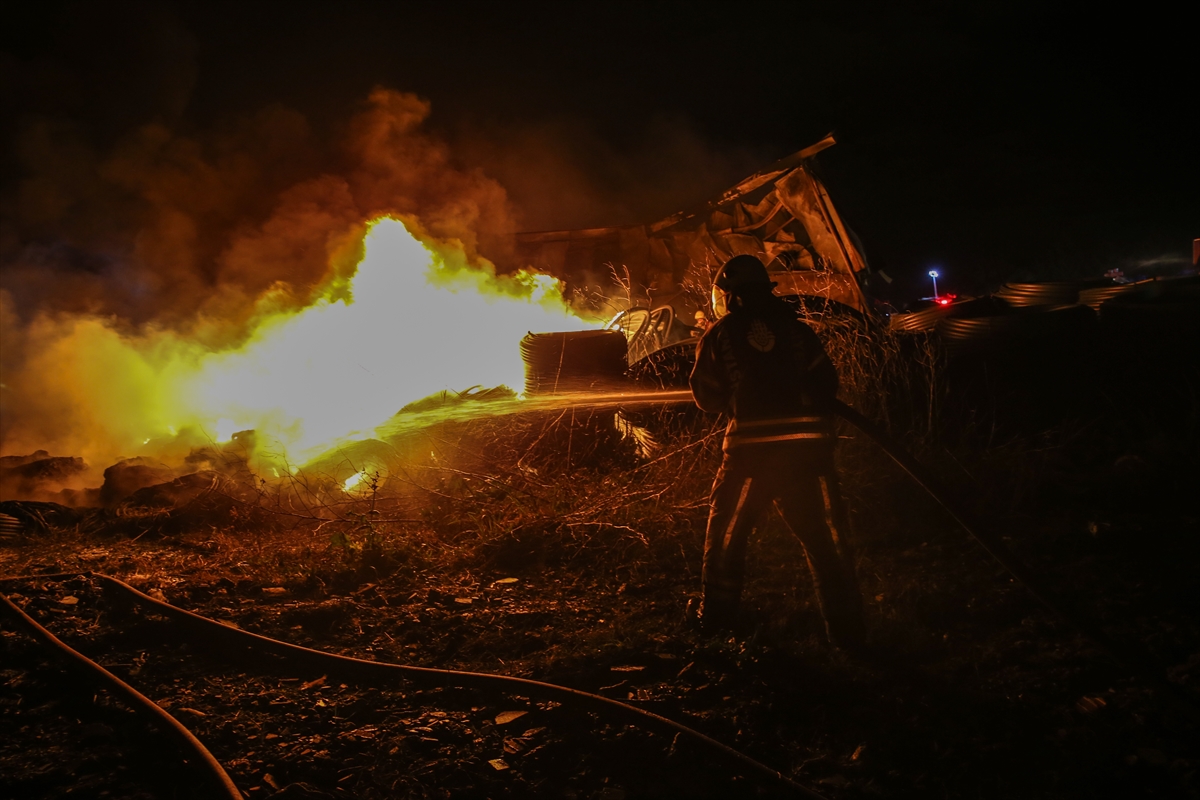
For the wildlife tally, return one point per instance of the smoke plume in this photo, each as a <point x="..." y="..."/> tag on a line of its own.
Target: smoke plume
<point x="171" y="246"/>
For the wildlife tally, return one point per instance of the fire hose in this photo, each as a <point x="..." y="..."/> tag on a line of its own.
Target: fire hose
<point x="1128" y="655"/>
<point x="195" y="755"/>
<point x="362" y="670"/>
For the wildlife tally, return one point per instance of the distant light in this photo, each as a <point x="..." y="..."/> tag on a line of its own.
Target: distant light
<point x="945" y="301"/>
<point x="933" y="273"/>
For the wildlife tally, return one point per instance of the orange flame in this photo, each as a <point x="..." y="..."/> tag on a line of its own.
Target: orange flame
<point x="417" y="319"/>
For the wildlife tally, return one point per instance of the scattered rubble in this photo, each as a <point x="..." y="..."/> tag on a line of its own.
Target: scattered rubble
<point x="37" y="475"/>
<point x="127" y="476"/>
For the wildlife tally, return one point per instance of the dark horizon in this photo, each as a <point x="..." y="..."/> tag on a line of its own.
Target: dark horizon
<point x="999" y="142"/>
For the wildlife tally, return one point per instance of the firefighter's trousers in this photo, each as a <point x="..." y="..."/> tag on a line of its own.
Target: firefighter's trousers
<point x="800" y="478"/>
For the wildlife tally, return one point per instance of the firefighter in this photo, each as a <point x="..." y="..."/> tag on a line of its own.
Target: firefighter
<point x="768" y="371"/>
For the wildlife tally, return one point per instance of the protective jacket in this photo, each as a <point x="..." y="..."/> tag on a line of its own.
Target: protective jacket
<point x="768" y="371"/>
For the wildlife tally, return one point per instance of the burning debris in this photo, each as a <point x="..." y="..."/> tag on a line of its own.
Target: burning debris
<point x="417" y="315"/>
<point x="395" y="467"/>
<point x="415" y="318"/>
<point x="223" y="304"/>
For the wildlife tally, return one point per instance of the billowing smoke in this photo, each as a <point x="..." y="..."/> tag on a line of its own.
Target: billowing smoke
<point x="141" y="236"/>
<point x="562" y="174"/>
<point x="172" y="246"/>
<point x="173" y="229"/>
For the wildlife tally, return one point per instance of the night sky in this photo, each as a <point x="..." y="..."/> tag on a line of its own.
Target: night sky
<point x="1004" y="140"/>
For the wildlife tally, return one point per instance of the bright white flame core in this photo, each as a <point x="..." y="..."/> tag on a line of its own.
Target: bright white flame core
<point x="420" y="321"/>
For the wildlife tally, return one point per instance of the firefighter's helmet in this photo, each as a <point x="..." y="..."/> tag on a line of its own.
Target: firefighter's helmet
<point x="742" y="272"/>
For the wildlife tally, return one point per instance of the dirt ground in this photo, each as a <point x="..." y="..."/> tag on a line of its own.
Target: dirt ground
<point x="578" y="574"/>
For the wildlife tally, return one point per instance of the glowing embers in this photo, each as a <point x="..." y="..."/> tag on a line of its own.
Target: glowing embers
<point x="354" y="481"/>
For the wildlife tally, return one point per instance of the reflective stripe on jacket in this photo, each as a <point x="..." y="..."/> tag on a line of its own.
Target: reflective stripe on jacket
<point x="811" y="427"/>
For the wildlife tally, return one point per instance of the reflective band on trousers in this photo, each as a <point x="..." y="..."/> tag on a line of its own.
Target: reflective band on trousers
<point x="737" y="512"/>
<point x="733" y="439"/>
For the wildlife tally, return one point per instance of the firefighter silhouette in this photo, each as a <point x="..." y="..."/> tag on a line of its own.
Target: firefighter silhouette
<point x="768" y="371"/>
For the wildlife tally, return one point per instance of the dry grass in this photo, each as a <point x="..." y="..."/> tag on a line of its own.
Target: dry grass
<point x="417" y="565"/>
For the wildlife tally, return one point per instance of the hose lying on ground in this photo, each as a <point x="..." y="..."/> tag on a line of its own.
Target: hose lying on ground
<point x="215" y="780"/>
<point x="1132" y="657"/>
<point x="361" y="669"/>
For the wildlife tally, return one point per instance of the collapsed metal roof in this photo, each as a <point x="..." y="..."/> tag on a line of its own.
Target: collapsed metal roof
<point x="782" y="214"/>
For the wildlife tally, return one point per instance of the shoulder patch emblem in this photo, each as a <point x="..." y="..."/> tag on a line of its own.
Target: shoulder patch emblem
<point x="760" y="337"/>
